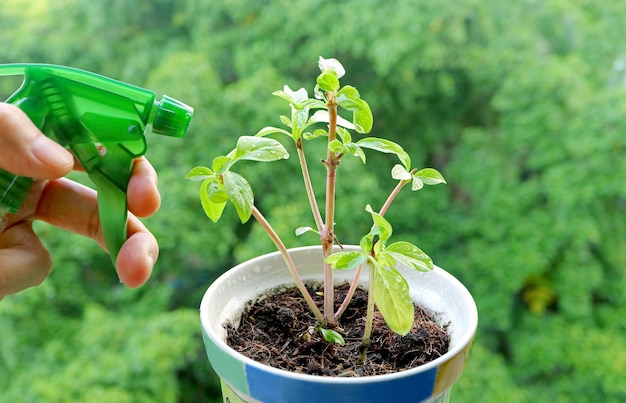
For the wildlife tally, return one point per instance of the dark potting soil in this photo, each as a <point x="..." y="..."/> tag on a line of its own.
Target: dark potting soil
<point x="278" y="330"/>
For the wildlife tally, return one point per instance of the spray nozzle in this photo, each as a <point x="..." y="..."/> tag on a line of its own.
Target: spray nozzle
<point x="84" y="112"/>
<point x="172" y="117"/>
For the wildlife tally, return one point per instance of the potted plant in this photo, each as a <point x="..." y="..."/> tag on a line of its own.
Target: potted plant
<point x="390" y="282"/>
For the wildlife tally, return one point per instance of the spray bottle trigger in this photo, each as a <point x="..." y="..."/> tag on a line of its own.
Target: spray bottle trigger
<point x="113" y="211"/>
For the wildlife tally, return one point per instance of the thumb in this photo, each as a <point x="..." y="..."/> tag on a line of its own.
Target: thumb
<point x="25" y="151"/>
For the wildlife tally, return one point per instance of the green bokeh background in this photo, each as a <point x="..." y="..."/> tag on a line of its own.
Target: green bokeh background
<point x="520" y="104"/>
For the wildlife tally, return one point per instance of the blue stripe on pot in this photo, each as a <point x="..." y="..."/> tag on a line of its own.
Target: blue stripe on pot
<point x="450" y="371"/>
<point x="267" y="387"/>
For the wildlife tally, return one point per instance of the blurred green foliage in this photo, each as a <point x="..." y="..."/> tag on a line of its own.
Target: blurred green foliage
<point x="520" y="104"/>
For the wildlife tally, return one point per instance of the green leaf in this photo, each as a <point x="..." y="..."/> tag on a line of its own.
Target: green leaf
<point x="239" y="193"/>
<point x="221" y="163"/>
<point x="285" y="120"/>
<point x="416" y="183"/>
<point x="213" y="207"/>
<point x="216" y="192"/>
<point x="344" y="134"/>
<point x="328" y="81"/>
<point x="382" y="227"/>
<point x="299" y="121"/>
<point x="363" y="119"/>
<point x="335" y="146"/>
<point x="388" y="147"/>
<point x="346" y="260"/>
<point x="367" y="243"/>
<point x="349" y="98"/>
<point x="322" y="116"/>
<point x="392" y="298"/>
<point x="259" y="149"/>
<point x="429" y="176"/>
<point x="315" y="134"/>
<point x="331" y="64"/>
<point x="293" y="97"/>
<point x="331" y="336"/>
<point x="400" y="173"/>
<point x="199" y="173"/>
<point x="283" y="95"/>
<point x="312" y="104"/>
<point x="410" y="256"/>
<point x="356" y="151"/>
<point x="303" y="230"/>
<point x="267" y="130"/>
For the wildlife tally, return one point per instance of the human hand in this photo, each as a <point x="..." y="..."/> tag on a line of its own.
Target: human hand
<point x="24" y="261"/>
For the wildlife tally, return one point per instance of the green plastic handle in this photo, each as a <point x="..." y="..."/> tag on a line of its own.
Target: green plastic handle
<point x="103" y="122"/>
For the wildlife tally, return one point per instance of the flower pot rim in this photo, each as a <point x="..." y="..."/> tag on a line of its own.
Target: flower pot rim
<point x="460" y="344"/>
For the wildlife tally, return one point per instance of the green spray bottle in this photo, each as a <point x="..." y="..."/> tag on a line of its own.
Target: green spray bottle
<point x="103" y="122"/>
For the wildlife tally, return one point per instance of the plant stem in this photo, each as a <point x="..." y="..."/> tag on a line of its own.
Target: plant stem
<point x="327" y="234"/>
<point x="353" y="284"/>
<point x="319" y="223"/>
<point x="350" y="294"/>
<point x="393" y="195"/>
<point x="369" y="318"/>
<point x="290" y="264"/>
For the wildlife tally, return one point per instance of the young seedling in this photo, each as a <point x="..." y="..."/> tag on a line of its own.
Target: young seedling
<point x="313" y="118"/>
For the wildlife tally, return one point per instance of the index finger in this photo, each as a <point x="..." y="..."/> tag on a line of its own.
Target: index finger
<point x="143" y="193"/>
<point x="25" y="151"/>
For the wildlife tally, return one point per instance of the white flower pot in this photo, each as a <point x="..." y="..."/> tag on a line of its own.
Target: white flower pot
<point x="245" y="380"/>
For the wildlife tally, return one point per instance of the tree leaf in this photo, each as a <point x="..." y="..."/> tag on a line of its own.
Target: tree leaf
<point x="410" y="256"/>
<point x="392" y="298"/>
<point x="386" y="146"/>
<point x="259" y="149"/>
<point x="346" y="260"/>
<point x="239" y="193"/>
